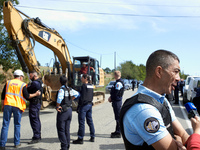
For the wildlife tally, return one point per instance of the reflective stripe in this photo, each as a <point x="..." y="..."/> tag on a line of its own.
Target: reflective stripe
<point x="8" y="86"/>
<point x="20" y="91"/>
<point x="14" y="94"/>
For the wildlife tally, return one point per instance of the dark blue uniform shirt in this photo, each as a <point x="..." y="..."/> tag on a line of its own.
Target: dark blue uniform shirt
<point x="34" y="86"/>
<point x="198" y="92"/>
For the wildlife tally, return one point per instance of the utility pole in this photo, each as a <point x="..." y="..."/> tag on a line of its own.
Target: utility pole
<point x="115" y="61"/>
<point x="100" y="60"/>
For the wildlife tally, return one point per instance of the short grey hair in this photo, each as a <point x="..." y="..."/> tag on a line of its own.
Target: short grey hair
<point x="161" y="58"/>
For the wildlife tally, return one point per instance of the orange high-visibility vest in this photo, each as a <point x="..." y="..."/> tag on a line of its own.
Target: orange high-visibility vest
<point x="14" y="95"/>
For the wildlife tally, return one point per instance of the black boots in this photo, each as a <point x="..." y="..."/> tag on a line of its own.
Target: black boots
<point x="34" y="140"/>
<point x="91" y="139"/>
<point x="115" y="135"/>
<point x="78" y="141"/>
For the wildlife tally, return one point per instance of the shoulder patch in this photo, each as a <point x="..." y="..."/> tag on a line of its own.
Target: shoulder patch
<point x="151" y="125"/>
<point x="90" y="86"/>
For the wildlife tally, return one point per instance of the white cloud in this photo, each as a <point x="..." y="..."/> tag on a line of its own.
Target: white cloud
<point x="156" y="27"/>
<point x="72" y="21"/>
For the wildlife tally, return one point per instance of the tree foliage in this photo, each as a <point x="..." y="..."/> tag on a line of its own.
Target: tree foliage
<point x="142" y="72"/>
<point x="182" y="75"/>
<point x="107" y="70"/>
<point x="131" y="71"/>
<point x="8" y="58"/>
<point x="38" y="63"/>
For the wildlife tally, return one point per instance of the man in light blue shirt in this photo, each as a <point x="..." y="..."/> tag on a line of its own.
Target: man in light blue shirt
<point x="140" y="112"/>
<point x="61" y="94"/>
<point x="64" y="115"/>
<point x="143" y="124"/>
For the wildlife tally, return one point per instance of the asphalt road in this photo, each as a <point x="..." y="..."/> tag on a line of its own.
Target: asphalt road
<point x="104" y="123"/>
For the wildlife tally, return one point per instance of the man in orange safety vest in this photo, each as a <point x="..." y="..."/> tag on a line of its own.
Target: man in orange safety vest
<point x="13" y="101"/>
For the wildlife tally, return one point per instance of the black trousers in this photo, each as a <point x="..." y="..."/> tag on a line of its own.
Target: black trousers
<point x="63" y="128"/>
<point x="176" y="96"/>
<point x="196" y="101"/>
<point x="117" y="108"/>
<point x="34" y="117"/>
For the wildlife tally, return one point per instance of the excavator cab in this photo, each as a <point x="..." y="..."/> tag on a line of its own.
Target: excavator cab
<point x="85" y="65"/>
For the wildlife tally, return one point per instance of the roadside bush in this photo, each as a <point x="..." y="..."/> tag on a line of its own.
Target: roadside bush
<point x="2" y="78"/>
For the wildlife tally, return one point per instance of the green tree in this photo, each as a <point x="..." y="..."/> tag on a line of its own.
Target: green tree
<point x="107" y="70"/>
<point x="113" y="70"/>
<point x="38" y="63"/>
<point x="8" y="58"/>
<point x="182" y="75"/>
<point x="142" y="72"/>
<point x="129" y="70"/>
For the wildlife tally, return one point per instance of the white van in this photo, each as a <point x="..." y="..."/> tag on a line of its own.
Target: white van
<point x="185" y="89"/>
<point x="191" y="93"/>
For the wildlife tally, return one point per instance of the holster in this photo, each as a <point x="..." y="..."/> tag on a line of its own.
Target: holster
<point x="35" y="101"/>
<point x="65" y="108"/>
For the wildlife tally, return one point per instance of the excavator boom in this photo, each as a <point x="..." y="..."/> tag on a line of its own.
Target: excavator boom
<point x="24" y="32"/>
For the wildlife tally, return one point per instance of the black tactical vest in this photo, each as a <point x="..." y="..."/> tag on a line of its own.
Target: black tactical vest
<point x="67" y="100"/>
<point x="86" y="94"/>
<point x="142" y="98"/>
<point x="114" y="91"/>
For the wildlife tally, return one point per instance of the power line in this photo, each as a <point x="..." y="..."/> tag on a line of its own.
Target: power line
<point x="108" y="3"/>
<point x="111" y="14"/>
<point x="121" y="58"/>
<point x="88" y="50"/>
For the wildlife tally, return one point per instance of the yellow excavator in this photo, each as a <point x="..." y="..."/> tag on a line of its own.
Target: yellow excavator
<point x="23" y="34"/>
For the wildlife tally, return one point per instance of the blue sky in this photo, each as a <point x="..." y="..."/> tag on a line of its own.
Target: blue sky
<point x="131" y="37"/>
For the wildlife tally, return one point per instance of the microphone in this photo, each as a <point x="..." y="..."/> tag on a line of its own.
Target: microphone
<point x="191" y="109"/>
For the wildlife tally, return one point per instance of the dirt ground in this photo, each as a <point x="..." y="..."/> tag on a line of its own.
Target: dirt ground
<point x="8" y="75"/>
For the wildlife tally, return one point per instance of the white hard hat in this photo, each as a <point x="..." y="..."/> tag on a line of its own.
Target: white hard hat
<point x="18" y="73"/>
<point x="84" y="63"/>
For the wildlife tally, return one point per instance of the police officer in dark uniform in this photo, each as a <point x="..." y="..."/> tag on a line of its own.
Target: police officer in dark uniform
<point x="133" y="84"/>
<point x="85" y="110"/>
<point x="176" y="93"/>
<point x="116" y="93"/>
<point x="35" y="105"/>
<point x="64" y="115"/>
<point x="182" y="84"/>
<point x="170" y="97"/>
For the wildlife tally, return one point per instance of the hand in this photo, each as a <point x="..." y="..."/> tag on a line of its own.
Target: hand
<point x="77" y="110"/>
<point x="2" y="105"/>
<point x="178" y="138"/>
<point x="2" y="108"/>
<point x="59" y="108"/>
<point x="38" y="93"/>
<point x="180" y="145"/>
<point x="109" y="99"/>
<point x="196" y="124"/>
<point x="93" y="69"/>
